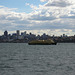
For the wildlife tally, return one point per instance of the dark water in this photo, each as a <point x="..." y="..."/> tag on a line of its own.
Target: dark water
<point x="24" y="59"/>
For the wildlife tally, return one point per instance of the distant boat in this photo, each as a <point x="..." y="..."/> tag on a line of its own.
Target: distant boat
<point x="42" y="42"/>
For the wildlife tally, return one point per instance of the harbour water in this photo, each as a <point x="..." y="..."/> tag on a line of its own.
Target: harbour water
<point x="24" y="59"/>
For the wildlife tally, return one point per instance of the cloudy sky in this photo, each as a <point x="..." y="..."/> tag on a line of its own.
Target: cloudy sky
<point x="53" y="17"/>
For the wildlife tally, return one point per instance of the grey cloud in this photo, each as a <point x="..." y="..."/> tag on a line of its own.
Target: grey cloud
<point x="54" y="25"/>
<point x="60" y="3"/>
<point x="12" y="18"/>
<point x="18" y="20"/>
<point x="66" y="16"/>
<point x="3" y="17"/>
<point x="42" y="18"/>
<point x="22" y="22"/>
<point x="73" y="17"/>
<point x="11" y="22"/>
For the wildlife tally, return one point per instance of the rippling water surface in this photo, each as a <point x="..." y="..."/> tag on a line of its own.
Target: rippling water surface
<point x="24" y="59"/>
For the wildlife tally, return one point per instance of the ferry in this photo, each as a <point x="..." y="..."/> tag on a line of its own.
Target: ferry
<point x="42" y="42"/>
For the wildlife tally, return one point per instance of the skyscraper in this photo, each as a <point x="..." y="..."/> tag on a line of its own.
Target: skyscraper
<point x="18" y="32"/>
<point x="5" y="33"/>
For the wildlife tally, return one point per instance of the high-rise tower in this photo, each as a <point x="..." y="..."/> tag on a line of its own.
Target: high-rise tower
<point x="18" y="32"/>
<point x="5" y="33"/>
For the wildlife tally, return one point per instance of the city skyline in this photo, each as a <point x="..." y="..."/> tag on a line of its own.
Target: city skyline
<point x="53" y="17"/>
<point x="24" y="37"/>
<point x="18" y="33"/>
